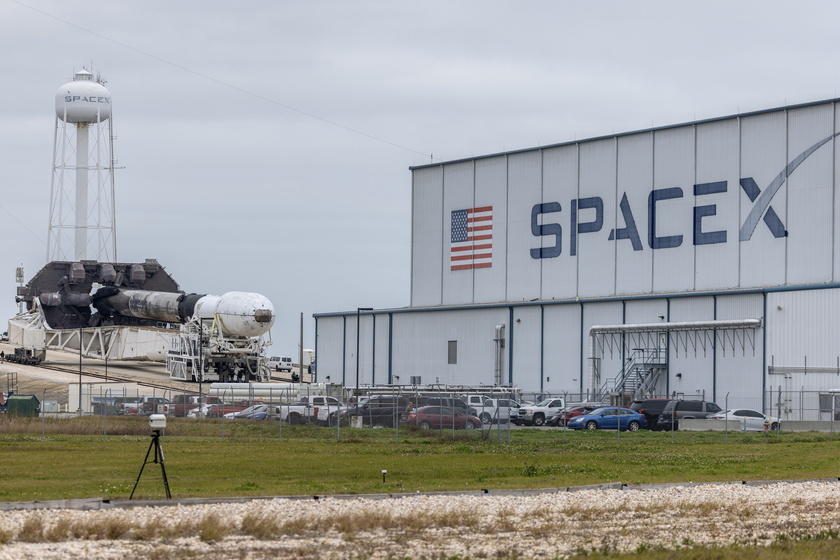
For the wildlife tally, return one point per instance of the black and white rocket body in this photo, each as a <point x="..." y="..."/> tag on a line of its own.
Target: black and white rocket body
<point x="202" y="337"/>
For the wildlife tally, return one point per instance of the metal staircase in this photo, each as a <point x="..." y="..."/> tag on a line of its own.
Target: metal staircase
<point x="638" y="377"/>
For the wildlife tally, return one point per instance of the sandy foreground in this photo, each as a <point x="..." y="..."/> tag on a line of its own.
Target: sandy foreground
<point x="550" y="525"/>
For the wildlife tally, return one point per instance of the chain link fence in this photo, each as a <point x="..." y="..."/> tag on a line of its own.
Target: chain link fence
<point x="471" y="413"/>
<point x="401" y="409"/>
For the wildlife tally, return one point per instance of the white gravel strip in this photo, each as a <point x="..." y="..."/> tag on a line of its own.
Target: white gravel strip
<point x="432" y="527"/>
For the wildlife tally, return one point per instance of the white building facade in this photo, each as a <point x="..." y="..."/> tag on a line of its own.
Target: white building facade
<point x="705" y="255"/>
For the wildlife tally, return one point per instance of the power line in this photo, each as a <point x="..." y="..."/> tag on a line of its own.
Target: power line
<point x="23" y="225"/>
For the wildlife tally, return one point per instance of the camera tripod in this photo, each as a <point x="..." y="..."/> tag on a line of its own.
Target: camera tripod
<point x="158" y="459"/>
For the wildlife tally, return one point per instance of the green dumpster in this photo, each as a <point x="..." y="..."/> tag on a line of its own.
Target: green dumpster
<point x="23" y="405"/>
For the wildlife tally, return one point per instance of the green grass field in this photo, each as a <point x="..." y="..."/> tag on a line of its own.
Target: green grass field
<point x="59" y="459"/>
<point x="45" y="459"/>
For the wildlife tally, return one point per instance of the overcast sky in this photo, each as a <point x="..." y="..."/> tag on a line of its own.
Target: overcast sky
<point x="265" y="146"/>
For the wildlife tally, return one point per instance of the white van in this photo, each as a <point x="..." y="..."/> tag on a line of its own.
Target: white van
<point x="280" y="363"/>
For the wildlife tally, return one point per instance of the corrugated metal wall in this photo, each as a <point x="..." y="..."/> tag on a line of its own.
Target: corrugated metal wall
<point x="491" y="187"/>
<point x="560" y="180"/>
<point x="420" y="346"/>
<point x="740" y="374"/>
<point x="803" y="329"/>
<point x="547" y="345"/>
<point x="718" y="153"/>
<point x="763" y="157"/>
<point x="563" y="350"/>
<point x="810" y="191"/>
<point x="427" y="236"/>
<point x="377" y="353"/>
<point x="623" y="230"/>
<point x="633" y="268"/>
<point x="458" y="194"/>
<point x="329" y="349"/>
<point x="695" y="362"/>
<point x="743" y="202"/>
<point x="523" y="276"/>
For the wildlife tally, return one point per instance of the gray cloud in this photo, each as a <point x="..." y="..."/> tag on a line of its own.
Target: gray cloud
<point x="265" y="146"/>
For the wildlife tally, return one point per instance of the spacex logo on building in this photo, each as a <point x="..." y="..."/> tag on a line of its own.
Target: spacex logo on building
<point x="762" y="205"/>
<point x="586" y="215"/>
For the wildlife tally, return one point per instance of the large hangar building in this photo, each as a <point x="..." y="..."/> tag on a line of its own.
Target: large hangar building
<point x="699" y="259"/>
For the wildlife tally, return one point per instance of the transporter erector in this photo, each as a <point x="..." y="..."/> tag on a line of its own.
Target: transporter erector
<point x="137" y="311"/>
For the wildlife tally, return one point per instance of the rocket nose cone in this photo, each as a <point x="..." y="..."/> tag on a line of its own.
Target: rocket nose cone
<point x="245" y="314"/>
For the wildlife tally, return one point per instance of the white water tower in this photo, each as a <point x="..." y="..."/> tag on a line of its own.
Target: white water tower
<point x="82" y="222"/>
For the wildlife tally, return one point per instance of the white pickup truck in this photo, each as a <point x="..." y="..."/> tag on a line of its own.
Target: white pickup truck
<point x="490" y="410"/>
<point x="317" y="409"/>
<point x="536" y="414"/>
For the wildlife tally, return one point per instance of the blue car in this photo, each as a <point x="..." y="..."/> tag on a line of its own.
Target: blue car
<point x="608" y="418"/>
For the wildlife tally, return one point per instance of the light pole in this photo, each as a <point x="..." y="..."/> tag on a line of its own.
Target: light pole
<point x="80" y="368"/>
<point x="358" y="311"/>
<point x="200" y="367"/>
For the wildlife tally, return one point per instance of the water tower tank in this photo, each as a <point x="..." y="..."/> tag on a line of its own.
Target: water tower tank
<point x="83" y="100"/>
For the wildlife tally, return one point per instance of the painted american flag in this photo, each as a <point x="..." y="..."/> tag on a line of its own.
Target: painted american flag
<point x="472" y="238"/>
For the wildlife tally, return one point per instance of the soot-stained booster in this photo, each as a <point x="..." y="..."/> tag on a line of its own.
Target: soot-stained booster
<point x="238" y="313"/>
<point x="202" y="337"/>
<point x="220" y="337"/>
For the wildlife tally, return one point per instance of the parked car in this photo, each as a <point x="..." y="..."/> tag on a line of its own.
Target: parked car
<point x="142" y="405"/>
<point x="126" y="405"/>
<point x="249" y="412"/>
<point x="490" y="410"/>
<point x="675" y="411"/>
<point x="261" y="412"/>
<point x="652" y="409"/>
<point x="442" y="417"/>
<point x="458" y="404"/>
<point x="608" y="418"/>
<point x="155" y="405"/>
<point x="182" y="404"/>
<point x="561" y="417"/>
<point x="378" y="410"/>
<point x="749" y="420"/>
<point x="130" y="408"/>
<point x="270" y="412"/>
<point x="215" y="410"/>
<point x="102" y="405"/>
<point x="506" y="409"/>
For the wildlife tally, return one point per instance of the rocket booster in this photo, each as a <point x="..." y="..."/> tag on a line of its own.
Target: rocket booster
<point x="239" y="313"/>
